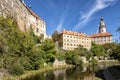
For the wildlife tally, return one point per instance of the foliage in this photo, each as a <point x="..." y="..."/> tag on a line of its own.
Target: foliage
<point x="109" y="47"/>
<point x="16" y="69"/>
<point x="72" y="57"/>
<point x="48" y="46"/>
<point x="16" y="45"/>
<point x="55" y="36"/>
<point x="93" y="62"/>
<point x="97" y="50"/>
<point x="84" y="52"/>
<point x="116" y="52"/>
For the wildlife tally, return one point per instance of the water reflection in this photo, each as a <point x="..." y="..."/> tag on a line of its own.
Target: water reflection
<point x="77" y="73"/>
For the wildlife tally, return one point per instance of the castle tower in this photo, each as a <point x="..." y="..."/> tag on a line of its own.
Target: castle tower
<point x="102" y="27"/>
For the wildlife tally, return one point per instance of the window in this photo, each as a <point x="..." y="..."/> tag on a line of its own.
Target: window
<point x="37" y="30"/>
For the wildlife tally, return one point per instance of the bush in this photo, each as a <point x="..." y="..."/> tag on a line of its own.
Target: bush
<point x="94" y="62"/>
<point x="17" y="69"/>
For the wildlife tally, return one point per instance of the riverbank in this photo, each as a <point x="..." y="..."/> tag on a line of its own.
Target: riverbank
<point x="33" y="72"/>
<point x="48" y="68"/>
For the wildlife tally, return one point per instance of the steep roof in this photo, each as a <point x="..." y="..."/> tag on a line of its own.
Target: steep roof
<point x="73" y="33"/>
<point x="100" y="35"/>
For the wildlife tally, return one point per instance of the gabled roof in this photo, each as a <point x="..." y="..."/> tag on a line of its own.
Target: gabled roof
<point x="100" y="35"/>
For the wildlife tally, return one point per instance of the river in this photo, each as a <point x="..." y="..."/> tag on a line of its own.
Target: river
<point x="76" y="73"/>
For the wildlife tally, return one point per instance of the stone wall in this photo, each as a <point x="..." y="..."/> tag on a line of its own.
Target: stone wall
<point x="24" y="16"/>
<point x="59" y="63"/>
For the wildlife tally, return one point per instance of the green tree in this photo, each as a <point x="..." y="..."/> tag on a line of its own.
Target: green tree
<point x="72" y="57"/>
<point x="109" y="48"/>
<point x="17" y="46"/>
<point x="49" y="48"/>
<point x="97" y="50"/>
<point x="116" y="52"/>
<point x="55" y="36"/>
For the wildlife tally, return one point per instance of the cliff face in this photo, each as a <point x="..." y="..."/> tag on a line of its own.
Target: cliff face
<point x="23" y="15"/>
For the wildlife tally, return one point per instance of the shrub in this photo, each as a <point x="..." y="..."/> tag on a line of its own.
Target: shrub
<point x="94" y="62"/>
<point x="17" y="69"/>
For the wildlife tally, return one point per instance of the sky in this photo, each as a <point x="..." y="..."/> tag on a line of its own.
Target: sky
<point x="78" y="15"/>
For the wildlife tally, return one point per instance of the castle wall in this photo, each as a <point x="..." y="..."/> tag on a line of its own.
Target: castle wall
<point x="23" y="15"/>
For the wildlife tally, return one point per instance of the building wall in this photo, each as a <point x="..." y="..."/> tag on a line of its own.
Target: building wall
<point x="23" y="15"/>
<point x="102" y="40"/>
<point x="70" y="42"/>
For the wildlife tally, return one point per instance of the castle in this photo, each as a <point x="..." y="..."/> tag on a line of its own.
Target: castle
<point x="102" y="36"/>
<point x="70" y="40"/>
<point x="24" y="16"/>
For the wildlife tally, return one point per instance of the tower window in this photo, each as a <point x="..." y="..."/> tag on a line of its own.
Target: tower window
<point x="102" y="30"/>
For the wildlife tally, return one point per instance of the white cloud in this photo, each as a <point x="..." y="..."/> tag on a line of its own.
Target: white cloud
<point x="87" y="16"/>
<point x="60" y="24"/>
<point x="62" y="18"/>
<point x="59" y="28"/>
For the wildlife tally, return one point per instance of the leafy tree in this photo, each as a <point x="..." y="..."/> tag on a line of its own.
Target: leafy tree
<point x="109" y="48"/>
<point x="72" y="57"/>
<point x="55" y="36"/>
<point x="16" y="46"/>
<point x="97" y="50"/>
<point x="16" y="69"/>
<point x="116" y="52"/>
<point x="48" y="46"/>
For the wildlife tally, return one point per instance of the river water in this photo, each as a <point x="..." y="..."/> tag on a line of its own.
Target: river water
<point x="77" y="73"/>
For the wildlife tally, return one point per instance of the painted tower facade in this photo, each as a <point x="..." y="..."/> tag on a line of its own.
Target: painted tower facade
<point x="102" y="27"/>
<point x="102" y="37"/>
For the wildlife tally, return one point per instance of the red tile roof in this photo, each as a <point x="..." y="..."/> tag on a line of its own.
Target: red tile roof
<point x="73" y="33"/>
<point x="100" y="35"/>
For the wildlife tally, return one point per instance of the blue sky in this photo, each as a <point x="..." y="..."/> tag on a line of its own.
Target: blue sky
<point x="78" y="15"/>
